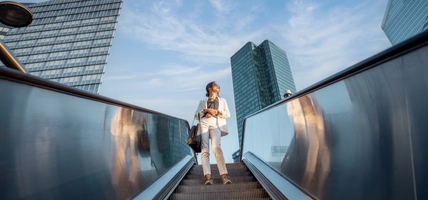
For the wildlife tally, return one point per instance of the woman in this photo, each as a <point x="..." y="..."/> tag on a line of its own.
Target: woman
<point x="213" y="111"/>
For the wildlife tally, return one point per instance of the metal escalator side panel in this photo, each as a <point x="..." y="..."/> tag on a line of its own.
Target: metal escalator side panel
<point x="357" y="135"/>
<point x="61" y="143"/>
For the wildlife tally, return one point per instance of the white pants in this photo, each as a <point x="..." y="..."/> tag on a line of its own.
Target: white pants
<point x="211" y="131"/>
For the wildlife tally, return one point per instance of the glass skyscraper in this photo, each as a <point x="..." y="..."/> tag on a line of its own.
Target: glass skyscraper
<point x="261" y="75"/>
<point x="404" y="19"/>
<point x="68" y="41"/>
<point x="3" y="31"/>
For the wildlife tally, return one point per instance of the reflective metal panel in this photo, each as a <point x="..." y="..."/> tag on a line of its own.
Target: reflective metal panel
<point x="59" y="146"/>
<point x="364" y="137"/>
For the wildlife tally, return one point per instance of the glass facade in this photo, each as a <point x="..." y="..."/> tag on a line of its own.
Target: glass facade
<point x="68" y="41"/>
<point x="404" y="19"/>
<point x="261" y="75"/>
<point x="3" y="31"/>
<point x="425" y="24"/>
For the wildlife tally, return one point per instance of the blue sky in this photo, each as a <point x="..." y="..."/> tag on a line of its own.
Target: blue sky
<point x="165" y="52"/>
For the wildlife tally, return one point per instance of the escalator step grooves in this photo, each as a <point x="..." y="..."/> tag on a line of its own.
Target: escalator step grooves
<point x="229" y="171"/>
<point x="231" y="174"/>
<point x="237" y="194"/>
<point x="228" y="166"/>
<point x="217" y="187"/>
<point x="201" y="181"/>
<point x="244" y="186"/>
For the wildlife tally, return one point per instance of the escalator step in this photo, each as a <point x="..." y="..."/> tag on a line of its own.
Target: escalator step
<point x="218" y="187"/>
<point x="197" y="170"/>
<point x="214" y="174"/>
<point x="228" y="166"/>
<point x="244" y="186"/>
<point x="229" y="194"/>
<point x="267" y="198"/>
<point x="201" y="181"/>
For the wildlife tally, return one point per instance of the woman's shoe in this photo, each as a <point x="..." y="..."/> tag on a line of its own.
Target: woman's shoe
<point x="226" y="180"/>
<point x="209" y="181"/>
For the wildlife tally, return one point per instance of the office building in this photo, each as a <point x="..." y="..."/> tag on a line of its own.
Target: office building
<point x="261" y="75"/>
<point x="68" y="41"/>
<point x="404" y="19"/>
<point x="236" y="156"/>
<point x="3" y="31"/>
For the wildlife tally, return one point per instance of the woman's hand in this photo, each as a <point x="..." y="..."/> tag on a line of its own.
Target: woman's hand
<point x="211" y="111"/>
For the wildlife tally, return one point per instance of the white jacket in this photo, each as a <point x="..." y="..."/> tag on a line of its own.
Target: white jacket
<point x="222" y="107"/>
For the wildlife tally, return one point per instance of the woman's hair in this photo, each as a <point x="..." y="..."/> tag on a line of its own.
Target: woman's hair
<point x="210" y="85"/>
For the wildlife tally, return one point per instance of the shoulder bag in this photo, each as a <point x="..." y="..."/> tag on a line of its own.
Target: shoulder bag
<point x="194" y="140"/>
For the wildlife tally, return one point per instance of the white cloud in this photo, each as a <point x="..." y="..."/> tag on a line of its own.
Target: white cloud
<point x="302" y="12"/>
<point x="202" y="78"/>
<point x="187" y="81"/>
<point x="154" y="82"/>
<point x="221" y="6"/>
<point x="317" y="39"/>
<point x="119" y="77"/>
<point x="199" y="41"/>
<point x="174" y="70"/>
<point x="321" y="43"/>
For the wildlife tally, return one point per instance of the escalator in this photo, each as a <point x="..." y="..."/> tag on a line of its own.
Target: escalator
<point x="360" y="134"/>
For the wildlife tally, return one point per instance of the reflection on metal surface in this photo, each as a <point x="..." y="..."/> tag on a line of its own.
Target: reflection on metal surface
<point x="360" y="138"/>
<point x="60" y="146"/>
<point x="317" y="149"/>
<point x="310" y="139"/>
<point x="130" y="141"/>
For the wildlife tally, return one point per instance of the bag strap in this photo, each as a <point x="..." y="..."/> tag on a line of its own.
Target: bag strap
<point x="200" y="126"/>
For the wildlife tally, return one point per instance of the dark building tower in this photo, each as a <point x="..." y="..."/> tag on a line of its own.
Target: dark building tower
<point x="404" y="19"/>
<point x="261" y="75"/>
<point x="68" y="41"/>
